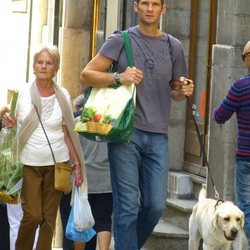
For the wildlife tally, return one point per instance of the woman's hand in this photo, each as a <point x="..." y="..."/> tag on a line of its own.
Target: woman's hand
<point x="78" y="175"/>
<point x="8" y="121"/>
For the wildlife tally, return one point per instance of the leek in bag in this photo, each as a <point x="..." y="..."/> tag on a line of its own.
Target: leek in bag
<point x="108" y="112"/>
<point x="10" y="167"/>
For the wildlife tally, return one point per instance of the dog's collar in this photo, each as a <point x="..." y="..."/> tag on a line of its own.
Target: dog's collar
<point x="218" y="202"/>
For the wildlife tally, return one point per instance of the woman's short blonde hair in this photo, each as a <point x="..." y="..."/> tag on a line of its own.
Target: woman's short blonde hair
<point x="52" y="50"/>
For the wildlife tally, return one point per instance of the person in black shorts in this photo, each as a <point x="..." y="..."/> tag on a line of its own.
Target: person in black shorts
<point x="99" y="193"/>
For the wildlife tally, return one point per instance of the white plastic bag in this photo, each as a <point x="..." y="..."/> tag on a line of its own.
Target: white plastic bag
<point x="73" y="234"/>
<point x="83" y="218"/>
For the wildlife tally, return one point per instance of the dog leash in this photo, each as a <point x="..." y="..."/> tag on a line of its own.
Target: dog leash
<point x="193" y="107"/>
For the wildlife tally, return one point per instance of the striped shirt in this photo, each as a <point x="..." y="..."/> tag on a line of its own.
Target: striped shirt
<point x="237" y="101"/>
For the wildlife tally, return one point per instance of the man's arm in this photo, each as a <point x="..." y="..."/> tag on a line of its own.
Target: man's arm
<point x="225" y="110"/>
<point x="95" y="73"/>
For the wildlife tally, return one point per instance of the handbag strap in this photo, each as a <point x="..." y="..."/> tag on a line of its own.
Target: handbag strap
<point x="128" y="51"/>
<point x="45" y="134"/>
<point x="128" y="48"/>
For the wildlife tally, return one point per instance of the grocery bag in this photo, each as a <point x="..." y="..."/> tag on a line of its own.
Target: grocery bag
<point x="10" y="165"/>
<point x="108" y="112"/>
<point x="83" y="217"/>
<point x="73" y="234"/>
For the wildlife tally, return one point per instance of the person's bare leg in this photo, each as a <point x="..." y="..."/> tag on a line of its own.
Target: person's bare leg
<point x="79" y="245"/>
<point x="104" y="239"/>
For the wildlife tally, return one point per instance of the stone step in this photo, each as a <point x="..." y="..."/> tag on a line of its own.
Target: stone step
<point x="172" y="230"/>
<point x="178" y="212"/>
<point x="167" y="236"/>
<point x="182" y="196"/>
<point x="180" y="185"/>
<point x="183" y="185"/>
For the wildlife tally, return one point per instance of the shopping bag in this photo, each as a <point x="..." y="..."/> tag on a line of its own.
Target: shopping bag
<point x="73" y="234"/>
<point x="83" y="218"/>
<point x="108" y="112"/>
<point x="10" y="165"/>
<point x="108" y="115"/>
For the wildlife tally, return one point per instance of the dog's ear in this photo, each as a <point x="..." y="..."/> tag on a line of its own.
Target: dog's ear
<point x="214" y="220"/>
<point x="242" y="222"/>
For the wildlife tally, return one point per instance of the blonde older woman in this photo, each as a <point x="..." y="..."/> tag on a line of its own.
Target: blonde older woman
<point x="39" y="198"/>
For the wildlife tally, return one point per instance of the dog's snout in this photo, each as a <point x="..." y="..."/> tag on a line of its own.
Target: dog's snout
<point x="234" y="231"/>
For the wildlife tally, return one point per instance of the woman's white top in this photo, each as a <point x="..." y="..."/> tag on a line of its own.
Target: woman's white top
<point x="36" y="151"/>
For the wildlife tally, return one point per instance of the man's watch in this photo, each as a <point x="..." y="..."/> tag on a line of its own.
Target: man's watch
<point x="117" y="77"/>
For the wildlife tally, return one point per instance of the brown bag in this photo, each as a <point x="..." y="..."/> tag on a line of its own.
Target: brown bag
<point x="62" y="176"/>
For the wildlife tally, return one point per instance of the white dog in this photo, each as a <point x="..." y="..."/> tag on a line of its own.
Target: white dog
<point x="219" y="224"/>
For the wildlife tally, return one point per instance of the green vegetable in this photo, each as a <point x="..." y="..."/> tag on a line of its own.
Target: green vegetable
<point x="87" y="114"/>
<point x="107" y="119"/>
<point x="13" y="103"/>
<point x="10" y="167"/>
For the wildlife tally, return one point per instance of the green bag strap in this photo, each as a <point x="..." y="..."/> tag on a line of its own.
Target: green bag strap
<point x="128" y="48"/>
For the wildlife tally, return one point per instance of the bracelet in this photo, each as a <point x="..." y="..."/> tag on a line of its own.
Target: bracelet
<point x="76" y="163"/>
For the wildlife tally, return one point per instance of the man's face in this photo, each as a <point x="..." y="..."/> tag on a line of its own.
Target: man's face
<point x="149" y="11"/>
<point x="247" y="60"/>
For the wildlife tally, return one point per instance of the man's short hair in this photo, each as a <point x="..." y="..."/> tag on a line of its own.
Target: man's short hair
<point x="162" y="1"/>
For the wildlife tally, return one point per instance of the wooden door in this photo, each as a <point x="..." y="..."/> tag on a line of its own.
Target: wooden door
<point x="202" y="38"/>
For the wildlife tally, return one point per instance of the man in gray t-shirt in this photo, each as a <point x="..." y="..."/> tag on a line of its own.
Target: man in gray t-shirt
<point x="139" y="168"/>
<point x="162" y="59"/>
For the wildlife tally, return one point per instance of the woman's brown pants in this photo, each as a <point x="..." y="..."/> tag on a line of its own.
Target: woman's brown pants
<point x="40" y="203"/>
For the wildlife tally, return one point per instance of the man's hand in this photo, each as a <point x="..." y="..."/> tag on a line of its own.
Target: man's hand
<point x="187" y="86"/>
<point x="131" y="75"/>
<point x="181" y="88"/>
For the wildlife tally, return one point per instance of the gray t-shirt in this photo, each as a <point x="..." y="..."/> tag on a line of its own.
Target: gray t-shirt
<point x="152" y="56"/>
<point x="97" y="166"/>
